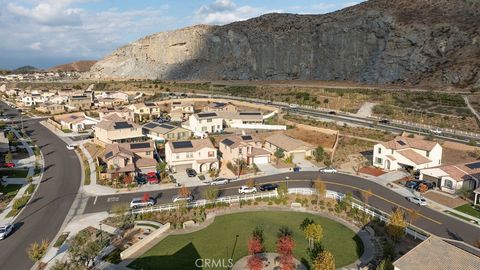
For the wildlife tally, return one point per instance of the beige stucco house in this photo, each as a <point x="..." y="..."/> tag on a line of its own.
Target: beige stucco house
<point x="114" y="129"/>
<point x="80" y="102"/>
<point x="50" y="108"/>
<point x="246" y="147"/>
<point x="205" y="122"/>
<point x="165" y="131"/>
<point x="290" y="146"/>
<point x="236" y="118"/>
<point x="145" y="111"/>
<point x="450" y="178"/>
<point x="200" y="155"/>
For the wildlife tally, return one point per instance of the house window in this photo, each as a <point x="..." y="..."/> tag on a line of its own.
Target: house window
<point x="190" y="155"/>
<point x="239" y="151"/>
<point x="177" y="156"/>
<point x="448" y="183"/>
<point x="428" y="153"/>
<point x="149" y="153"/>
<point x="209" y="120"/>
<point x="211" y="154"/>
<point x="378" y="160"/>
<point x="379" y="150"/>
<point x="204" y="128"/>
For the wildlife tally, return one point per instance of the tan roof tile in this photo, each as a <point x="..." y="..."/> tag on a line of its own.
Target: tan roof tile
<point x="288" y="143"/>
<point x="404" y="142"/>
<point x="414" y="156"/>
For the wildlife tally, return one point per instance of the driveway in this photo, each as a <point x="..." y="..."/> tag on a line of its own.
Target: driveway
<point x="267" y="168"/>
<point x="305" y="164"/>
<point x="183" y="179"/>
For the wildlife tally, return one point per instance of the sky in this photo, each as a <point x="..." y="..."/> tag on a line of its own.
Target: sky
<point x="51" y="32"/>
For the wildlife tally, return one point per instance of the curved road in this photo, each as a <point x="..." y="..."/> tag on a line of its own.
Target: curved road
<point x="43" y="217"/>
<point x="382" y="198"/>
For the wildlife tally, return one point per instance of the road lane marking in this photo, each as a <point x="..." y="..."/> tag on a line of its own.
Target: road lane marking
<point x="113" y="199"/>
<point x="345" y="185"/>
<point x="95" y="201"/>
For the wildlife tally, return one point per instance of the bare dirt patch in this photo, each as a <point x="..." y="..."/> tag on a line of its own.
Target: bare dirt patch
<point x="444" y="199"/>
<point x="94" y="149"/>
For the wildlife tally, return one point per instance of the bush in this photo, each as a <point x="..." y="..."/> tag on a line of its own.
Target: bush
<point x="30" y="189"/>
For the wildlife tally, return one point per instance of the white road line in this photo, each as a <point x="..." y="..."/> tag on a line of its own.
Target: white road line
<point x="95" y="201"/>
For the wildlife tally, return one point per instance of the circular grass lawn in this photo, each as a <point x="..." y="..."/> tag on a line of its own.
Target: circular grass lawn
<point x="218" y="240"/>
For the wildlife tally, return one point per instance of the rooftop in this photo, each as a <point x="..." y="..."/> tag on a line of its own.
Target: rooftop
<point x="404" y="142"/>
<point x="161" y="128"/>
<point x="288" y="143"/>
<point x="190" y="146"/>
<point x="114" y="122"/>
<point x="235" y="141"/>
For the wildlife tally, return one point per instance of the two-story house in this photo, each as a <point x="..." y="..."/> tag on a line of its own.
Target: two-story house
<point x="238" y="118"/>
<point x="185" y="107"/>
<point x="205" y="122"/>
<point x="50" y="108"/>
<point x="407" y="153"/>
<point x="245" y="147"/>
<point x="145" y="111"/>
<point x="127" y="159"/>
<point x="165" y="132"/>
<point x="200" y="155"/>
<point x="219" y="107"/>
<point x="450" y="178"/>
<point x="80" y="102"/>
<point x="114" y="129"/>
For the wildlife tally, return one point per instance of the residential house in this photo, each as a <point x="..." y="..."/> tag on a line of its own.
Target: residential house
<point x="165" y="132"/>
<point x="114" y="95"/>
<point x="290" y="146"/>
<point x="76" y="122"/>
<point x="145" y="111"/>
<point x="114" y="129"/>
<point x="436" y="253"/>
<point x="219" y="107"/>
<point x="127" y="159"/>
<point x="79" y="102"/>
<point x="122" y="112"/>
<point x="50" y="108"/>
<point x="58" y="99"/>
<point x="245" y="147"/>
<point x="110" y="102"/>
<point x="176" y="116"/>
<point x="185" y="107"/>
<point x="407" y="153"/>
<point x="236" y="118"/>
<point x="32" y="99"/>
<point x="450" y="178"/>
<point x="205" y="122"/>
<point x="199" y="155"/>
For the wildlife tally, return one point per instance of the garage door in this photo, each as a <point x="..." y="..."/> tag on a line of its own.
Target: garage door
<point x="299" y="155"/>
<point x="260" y="160"/>
<point x="182" y="168"/>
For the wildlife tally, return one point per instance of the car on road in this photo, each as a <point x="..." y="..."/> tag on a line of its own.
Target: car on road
<point x="332" y="112"/>
<point x="139" y="202"/>
<point x="71" y="146"/>
<point x="328" y="170"/>
<point x="412" y="184"/>
<point x="191" y="172"/>
<point x="268" y="187"/>
<point x="8" y="165"/>
<point x="384" y="121"/>
<point x="247" y="190"/>
<point x="179" y="198"/>
<point x="5" y="230"/>
<point x="417" y="200"/>
<point x="436" y="131"/>
<point x="219" y="181"/>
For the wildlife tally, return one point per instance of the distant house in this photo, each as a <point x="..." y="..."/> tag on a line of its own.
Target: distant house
<point x="114" y="95"/>
<point x="80" y="102"/>
<point x="219" y="107"/>
<point x="127" y="159"/>
<point x="233" y="118"/>
<point x="200" y="155"/>
<point x="205" y="122"/>
<point x="450" y="178"/>
<point x="435" y="253"/>
<point x="110" y="102"/>
<point x="122" y="112"/>
<point x="185" y="107"/>
<point x="50" y="108"/>
<point x="114" y="129"/>
<point x="290" y="146"/>
<point x="75" y="121"/>
<point x="407" y="153"/>
<point x="245" y="147"/>
<point x="145" y="111"/>
<point x="165" y="131"/>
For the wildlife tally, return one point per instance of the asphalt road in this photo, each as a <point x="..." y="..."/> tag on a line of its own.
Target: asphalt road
<point x="43" y="217"/>
<point x="383" y="199"/>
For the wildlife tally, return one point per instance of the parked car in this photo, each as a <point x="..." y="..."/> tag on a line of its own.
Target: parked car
<point x="436" y="131"/>
<point x="178" y="198"/>
<point x="71" y="146"/>
<point x="268" y="187"/>
<point x="327" y="170"/>
<point x="140" y="179"/>
<point x="417" y="200"/>
<point x="430" y="185"/>
<point x="412" y="184"/>
<point x="219" y="181"/>
<point x="8" y="165"/>
<point x="152" y="179"/>
<point x="246" y="190"/>
<point x="5" y="230"/>
<point x="332" y="112"/>
<point x="139" y="202"/>
<point x="191" y="172"/>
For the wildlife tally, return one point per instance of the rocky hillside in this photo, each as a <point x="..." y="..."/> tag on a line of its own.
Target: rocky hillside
<point x="79" y="66"/>
<point x="411" y="42"/>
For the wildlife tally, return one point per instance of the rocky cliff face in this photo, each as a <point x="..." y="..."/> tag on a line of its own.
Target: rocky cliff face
<point x="379" y="41"/>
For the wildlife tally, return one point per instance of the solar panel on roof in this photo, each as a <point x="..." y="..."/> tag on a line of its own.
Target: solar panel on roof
<point x="151" y="125"/>
<point x="401" y="143"/>
<point x="167" y="126"/>
<point x="108" y="155"/>
<point x="473" y="166"/>
<point x="250" y="113"/>
<point x="206" y="114"/>
<point x="227" y="142"/>
<point x="120" y="125"/>
<point x="184" y="144"/>
<point x="139" y="145"/>
<point x="247" y="138"/>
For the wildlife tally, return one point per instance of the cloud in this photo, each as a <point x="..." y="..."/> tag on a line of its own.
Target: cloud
<point x="353" y="3"/>
<point x="323" y="6"/>
<point x="225" y="11"/>
<point x="36" y="46"/>
<point x="48" y="13"/>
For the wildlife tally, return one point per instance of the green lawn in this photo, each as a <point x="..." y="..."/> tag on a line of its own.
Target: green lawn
<point x="469" y="210"/>
<point x="10" y="190"/>
<point x="181" y="251"/>
<point x="14" y="173"/>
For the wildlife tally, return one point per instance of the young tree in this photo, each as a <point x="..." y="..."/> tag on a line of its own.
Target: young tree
<point x="324" y="261"/>
<point x="254" y="262"/>
<point x="282" y="190"/>
<point x="307" y="221"/>
<point x="422" y="188"/>
<point x="319" y="154"/>
<point x="464" y="193"/>
<point x="314" y="234"/>
<point x="285" y="246"/>
<point x="36" y="251"/>
<point x="279" y="154"/>
<point x="284" y="231"/>
<point x="366" y="194"/>
<point x="250" y="183"/>
<point x="413" y="215"/>
<point x="385" y="264"/>
<point x="397" y="224"/>
<point x="254" y="246"/>
<point x="210" y="193"/>
<point x="84" y="247"/>
<point x="321" y="189"/>
<point x="162" y="170"/>
<point x="184" y="191"/>
<point x="240" y="163"/>
<point x="145" y="197"/>
<point x="8" y="157"/>
<point x="258" y="233"/>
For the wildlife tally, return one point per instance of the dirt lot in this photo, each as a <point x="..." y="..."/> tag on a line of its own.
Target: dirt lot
<point x="94" y="149"/>
<point x="352" y="154"/>
<point x="309" y="136"/>
<point x="454" y="156"/>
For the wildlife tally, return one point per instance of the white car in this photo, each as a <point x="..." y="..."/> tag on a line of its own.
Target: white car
<point x="139" y="202"/>
<point x="327" y="170"/>
<point x="246" y="190"/>
<point x="219" y="181"/>
<point x="179" y="198"/>
<point x="436" y="131"/>
<point x="71" y="147"/>
<point x="417" y="200"/>
<point x="5" y="230"/>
